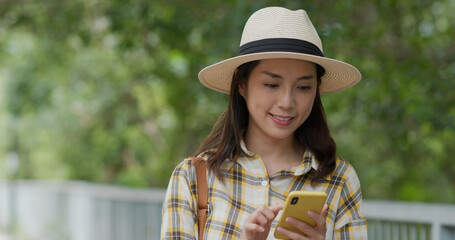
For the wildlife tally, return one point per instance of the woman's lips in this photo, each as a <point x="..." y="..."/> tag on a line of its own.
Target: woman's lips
<point x="281" y="120"/>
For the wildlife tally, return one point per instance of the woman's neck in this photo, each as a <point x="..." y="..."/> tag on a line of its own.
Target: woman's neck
<point x="276" y="154"/>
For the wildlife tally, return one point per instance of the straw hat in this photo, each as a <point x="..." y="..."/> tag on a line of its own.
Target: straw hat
<point x="276" y="32"/>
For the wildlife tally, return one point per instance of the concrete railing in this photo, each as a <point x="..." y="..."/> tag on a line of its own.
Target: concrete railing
<point x="79" y="211"/>
<point x="407" y="220"/>
<point x="38" y="210"/>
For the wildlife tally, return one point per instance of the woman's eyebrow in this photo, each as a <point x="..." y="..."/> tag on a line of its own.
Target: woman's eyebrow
<point x="306" y="77"/>
<point x="274" y="75"/>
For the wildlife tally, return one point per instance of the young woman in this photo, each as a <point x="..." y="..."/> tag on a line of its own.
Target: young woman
<point x="271" y="140"/>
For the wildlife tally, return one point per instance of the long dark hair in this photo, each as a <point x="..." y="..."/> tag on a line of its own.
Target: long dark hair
<point x="228" y="130"/>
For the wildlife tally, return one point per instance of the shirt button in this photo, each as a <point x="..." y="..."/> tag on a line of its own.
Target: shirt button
<point x="264" y="183"/>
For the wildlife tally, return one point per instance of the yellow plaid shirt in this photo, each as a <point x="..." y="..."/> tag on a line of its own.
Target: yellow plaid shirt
<point x="247" y="186"/>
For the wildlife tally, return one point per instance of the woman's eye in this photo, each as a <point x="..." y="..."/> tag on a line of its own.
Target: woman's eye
<point x="304" y="87"/>
<point x="271" y="85"/>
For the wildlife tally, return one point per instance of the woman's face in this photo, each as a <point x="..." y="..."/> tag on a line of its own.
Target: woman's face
<point x="279" y="95"/>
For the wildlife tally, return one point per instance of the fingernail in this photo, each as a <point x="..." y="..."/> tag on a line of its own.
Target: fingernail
<point x="312" y="214"/>
<point x="280" y="230"/>
<point x="261" y="229"/>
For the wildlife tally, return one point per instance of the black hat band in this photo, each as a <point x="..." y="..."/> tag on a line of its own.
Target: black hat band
<point x="280" y="45"/>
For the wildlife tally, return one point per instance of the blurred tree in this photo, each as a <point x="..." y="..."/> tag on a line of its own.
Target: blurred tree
<point x="106" y="91"/>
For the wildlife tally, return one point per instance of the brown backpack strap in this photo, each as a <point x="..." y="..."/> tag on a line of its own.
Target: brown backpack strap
<point x="202" y="194"/>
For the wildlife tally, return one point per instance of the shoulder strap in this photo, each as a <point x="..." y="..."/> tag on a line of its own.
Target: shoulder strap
<point x="202" y="194"/>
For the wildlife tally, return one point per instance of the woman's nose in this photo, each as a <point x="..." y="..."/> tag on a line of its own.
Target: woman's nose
<point x="286" y="99"/>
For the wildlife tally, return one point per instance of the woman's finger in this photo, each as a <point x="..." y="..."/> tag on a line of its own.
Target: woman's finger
<point x="258" y="223"/>
<point x="261" y="219"/>
<point x="319" y="219"/>
<point x="275" y="208"/>
<point x="302" y="226"/>
<point x="290" y="234"/>
<point x="267" y="213"/>
<point x="324" y="210"/>
<point x="251" y="227"/>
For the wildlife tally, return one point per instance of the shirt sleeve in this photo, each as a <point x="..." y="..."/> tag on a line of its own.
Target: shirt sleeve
<point x="179" y="207"/>
<point x="350" y="222"/>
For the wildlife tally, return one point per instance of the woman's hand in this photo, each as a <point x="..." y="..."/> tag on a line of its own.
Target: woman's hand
<point x="257" y="224"/>
<point x="316" y="232"/>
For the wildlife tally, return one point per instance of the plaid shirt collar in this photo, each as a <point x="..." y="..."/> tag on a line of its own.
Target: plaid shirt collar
<point x="308" y="162"/>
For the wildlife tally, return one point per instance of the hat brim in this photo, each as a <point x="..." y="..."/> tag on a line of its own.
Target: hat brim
<point x="338" y="75"/>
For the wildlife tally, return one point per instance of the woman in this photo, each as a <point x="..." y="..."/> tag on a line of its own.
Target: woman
<point x="272" y="139"/>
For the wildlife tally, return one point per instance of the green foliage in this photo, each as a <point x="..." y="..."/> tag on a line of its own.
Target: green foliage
<point x="106" y="91"/>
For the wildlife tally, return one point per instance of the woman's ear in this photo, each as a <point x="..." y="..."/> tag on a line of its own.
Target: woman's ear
<point x="242" y="89"/>
<point x="241" y="85"/>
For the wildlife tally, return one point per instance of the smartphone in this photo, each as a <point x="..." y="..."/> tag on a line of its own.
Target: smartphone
<point x="297" y="205"/>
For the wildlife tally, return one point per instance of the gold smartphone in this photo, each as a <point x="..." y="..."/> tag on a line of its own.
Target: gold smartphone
<point x="297" y="205"/>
